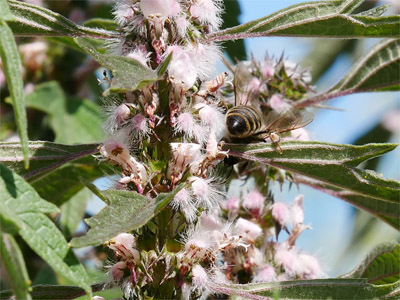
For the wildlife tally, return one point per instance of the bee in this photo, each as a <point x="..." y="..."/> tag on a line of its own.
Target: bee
<point x="244" y="123"/>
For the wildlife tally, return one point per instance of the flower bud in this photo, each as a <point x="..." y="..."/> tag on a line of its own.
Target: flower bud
<point x="248" y="230"/>
<point x="281" y="213"/>
<point x="253" y="202"/>
<point x="265" y="273"/>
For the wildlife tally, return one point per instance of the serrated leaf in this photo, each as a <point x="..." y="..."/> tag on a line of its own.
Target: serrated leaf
<point x="32" y="20"/>
<point x="381" y="266"/>
<point x="332" y="169"/>
<point x="6" y="14"/>
<point x="377" y="71"/>
<point x="12" y="69"/>
<point x="126" y="211"/>
<point x="73" y="120"/>
<point x="332" y="288"/>
<point x="128" y="74"/>
<point x="73" y="211"/>
<point x="45" y="157"/>
<point x="317" y="18"/>
<point x="14" y="264"/>
<point x="38" y="231"/>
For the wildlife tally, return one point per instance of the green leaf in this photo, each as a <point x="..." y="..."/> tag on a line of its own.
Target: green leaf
<point x="126" y="211"/>
<point x="52" y="292"/>
<point x="38" y="231"/>
<point x="6" y="14"/>
<point x="45" y="157"/>
<point x="377" y="71"/>
<point x="73" y="120"/>
<point x="33" y="20"/>
<point x="14" y="264"/>
<point x="128" y="74"/>
<point x="332" y="169"/>
<point x="164" y="65"/>
<point x="377" y="134"/>
<point x="101" y="23"/>
<point x="381" y="266"/>
<point x="12" y="69"/>
<point x="317" y="19"/>
<point x="313" y="289"/>
<point x="73" y="211"/>
<point x="375" y="11"/>
<point x="64" y="181"/>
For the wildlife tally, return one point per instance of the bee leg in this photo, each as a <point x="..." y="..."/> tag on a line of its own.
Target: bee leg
<point x="279" y="147"/>
<point x="275" y="138"/>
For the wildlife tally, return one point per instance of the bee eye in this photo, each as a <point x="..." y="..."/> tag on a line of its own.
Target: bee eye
<point x="236" y="124"/>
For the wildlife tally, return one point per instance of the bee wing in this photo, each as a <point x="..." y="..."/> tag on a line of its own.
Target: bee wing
<point x="287" y="121"/>
<point x="241" y="82"/>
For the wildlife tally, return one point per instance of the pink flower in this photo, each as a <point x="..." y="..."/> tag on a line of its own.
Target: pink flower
<point x="309" y="267"/>
<point x="121" y="114"/>
<point x="281" y="213"/>
<point x="153" y="7"/>
<point x="184" y="154"/>
<point x="207" y="12"/>
<point x="248" y="230"/>
<point x="118" y="270"/>
<point x="265" y="273"/>
<point x="206" y="192"/>
<point x="278" y="104"/>
<point x="182" y="68"/>
<point x="185" y="123"/>
<point x="267" y="68"/>
<point x="254" y="203"/>
<point x="184" y="201"/>
<point x="199" y="277"/>
<point x="118" y="152"/>
<point x="297" y="211"/>
<point x="210" y="222"/>
<point x="141" y="55"/>
<point x="212" y="117"/>
<point x="288" y="258"/>
<point x="123" y="245"/>
<point x="182" y="25"/>
<point x="233" y="205"/>
<point x="300" y="134"/>
<point x="139" y="123"/>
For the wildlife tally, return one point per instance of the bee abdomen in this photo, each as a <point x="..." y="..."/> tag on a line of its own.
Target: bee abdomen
<point x="243" y="121"/>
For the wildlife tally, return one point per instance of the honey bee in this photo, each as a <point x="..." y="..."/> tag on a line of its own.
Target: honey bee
<point x="246" y="124"/>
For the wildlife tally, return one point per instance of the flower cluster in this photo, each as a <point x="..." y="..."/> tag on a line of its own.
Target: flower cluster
<point x="271" y="84"/>
<point x="239" y="246"/>
<point x="168" y="137"/>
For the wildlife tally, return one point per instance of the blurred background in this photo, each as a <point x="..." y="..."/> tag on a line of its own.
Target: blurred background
<point x="341" y="235"/>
